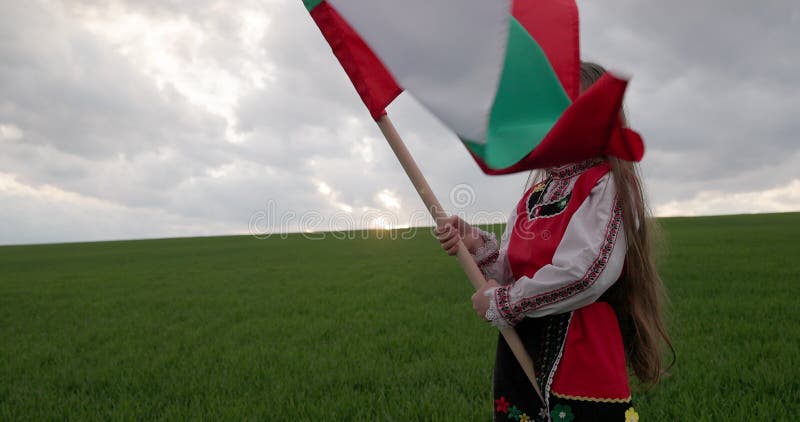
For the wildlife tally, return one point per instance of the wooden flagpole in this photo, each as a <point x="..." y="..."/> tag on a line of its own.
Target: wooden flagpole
<point x="467" y="263"/>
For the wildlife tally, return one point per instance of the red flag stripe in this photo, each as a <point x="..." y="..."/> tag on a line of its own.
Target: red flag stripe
<point x="373" y="82"/>
<point x="554" y="25"/>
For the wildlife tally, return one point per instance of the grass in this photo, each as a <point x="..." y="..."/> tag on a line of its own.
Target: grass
<point x="236" y="328"/>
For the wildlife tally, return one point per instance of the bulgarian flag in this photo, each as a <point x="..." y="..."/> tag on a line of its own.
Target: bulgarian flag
<point x="502" y="74"/>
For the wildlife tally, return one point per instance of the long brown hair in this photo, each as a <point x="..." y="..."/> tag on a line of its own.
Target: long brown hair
<point x="638" y="297"/>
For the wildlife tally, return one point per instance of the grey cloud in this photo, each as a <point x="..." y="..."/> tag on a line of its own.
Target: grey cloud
<point x="714" y="89"/>
<point x="67" y="91"/>
<point x="715" y="93"/>
<point x="297" y="115"/>
<point x="742" y="38"/>
<point x="91" y="124"/>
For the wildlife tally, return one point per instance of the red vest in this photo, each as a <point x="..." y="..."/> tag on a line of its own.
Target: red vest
<point x="592" y="365"/>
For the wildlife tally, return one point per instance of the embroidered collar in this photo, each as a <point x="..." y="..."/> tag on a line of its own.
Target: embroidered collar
<point x="572" y="169"/>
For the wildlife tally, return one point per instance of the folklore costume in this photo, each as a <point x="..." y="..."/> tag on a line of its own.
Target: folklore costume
<point x="563" y="248"/>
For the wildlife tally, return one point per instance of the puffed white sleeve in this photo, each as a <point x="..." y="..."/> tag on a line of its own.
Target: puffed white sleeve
<point x="492" y="257"/>
<point x="587" y="261"/>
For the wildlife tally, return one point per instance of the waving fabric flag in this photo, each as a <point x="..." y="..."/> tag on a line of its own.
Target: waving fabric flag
<point x="502" y="74"/>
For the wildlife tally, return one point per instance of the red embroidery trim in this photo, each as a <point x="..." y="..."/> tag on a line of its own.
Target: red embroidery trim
<point x="573" y="169"/>
<point x="489" y="259"/>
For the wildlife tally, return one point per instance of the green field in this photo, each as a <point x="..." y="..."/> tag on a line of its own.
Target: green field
<point x="236" y="328"/>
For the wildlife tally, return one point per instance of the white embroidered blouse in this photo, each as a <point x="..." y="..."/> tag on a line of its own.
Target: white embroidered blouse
<point x="583" y="238"/>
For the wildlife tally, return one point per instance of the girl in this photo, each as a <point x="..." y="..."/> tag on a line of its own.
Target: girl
<point x="573" y="273"/>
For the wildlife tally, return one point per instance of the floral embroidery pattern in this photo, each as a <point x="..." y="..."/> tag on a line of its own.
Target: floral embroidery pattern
<point x="559" y="190"/>
<point x="501" y="405"/>
<point x="572" y="170"/>
<point x="549" y="209"/>
<point x="536" y="196"/>
<point x="539" y="207"/>
<point x="631" y="415"/>
<point x="514" y="313"/>
<point x="489" y="260"/>
<point x="543" y="413"/>
<point x="562" y="413"/>
<point x="513" y="412"/>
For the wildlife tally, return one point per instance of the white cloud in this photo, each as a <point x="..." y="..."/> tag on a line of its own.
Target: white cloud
<point x="778" y="199"/>
<point x="364" y="149"/>
<point x="388" y="199"/>
<point x="331" y="196"/>
<point x="10" y="133"/>
<point x="179" y="53"/>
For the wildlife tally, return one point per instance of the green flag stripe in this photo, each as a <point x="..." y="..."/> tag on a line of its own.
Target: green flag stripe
<point x="310" y="4"/>
<point x="528" y="102"/>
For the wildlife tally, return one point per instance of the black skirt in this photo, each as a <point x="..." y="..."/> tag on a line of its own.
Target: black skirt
<point x="514" y="396"/>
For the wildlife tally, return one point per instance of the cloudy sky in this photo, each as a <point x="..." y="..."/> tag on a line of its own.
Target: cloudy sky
<point x="144" y="118"/>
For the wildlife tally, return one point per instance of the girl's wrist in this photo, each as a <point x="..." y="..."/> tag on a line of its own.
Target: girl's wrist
<point x="487" y="248"/>
<point x="493" y="314"/>
<point x="477" y="240"/>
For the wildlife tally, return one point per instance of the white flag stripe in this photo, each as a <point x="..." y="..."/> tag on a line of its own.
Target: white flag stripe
<point x="449" y="54"/>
